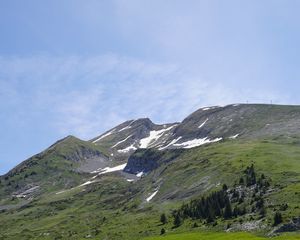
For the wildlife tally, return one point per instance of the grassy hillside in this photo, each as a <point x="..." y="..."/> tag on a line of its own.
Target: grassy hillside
<point x="59" y="166"/>
<point x="113" y="208"/>
<point x="220" y="236"/>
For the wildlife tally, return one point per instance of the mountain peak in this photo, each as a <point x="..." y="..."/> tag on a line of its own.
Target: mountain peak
<point x="172" y="163"/>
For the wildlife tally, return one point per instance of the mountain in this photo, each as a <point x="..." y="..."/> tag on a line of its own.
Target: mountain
<point x="210" y="124"/>
<point x="117" y="185"/>
<point x="64" y="164"/>
<point x="124" y="139"/>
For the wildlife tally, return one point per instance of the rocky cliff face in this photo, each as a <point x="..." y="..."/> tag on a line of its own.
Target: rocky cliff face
<point x="292" y="226"/>
<point x="146" y="160"/>
<point x="121" y="141"/>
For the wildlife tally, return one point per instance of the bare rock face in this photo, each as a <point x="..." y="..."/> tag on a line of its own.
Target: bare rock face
<point x="146" y="160"/>
<point x="88" y="159"/>
<point x="292" y="226"/>
<point x="124" y="139"/>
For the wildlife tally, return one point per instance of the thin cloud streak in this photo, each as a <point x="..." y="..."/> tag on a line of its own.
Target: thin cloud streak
<point x="85" y="96"/>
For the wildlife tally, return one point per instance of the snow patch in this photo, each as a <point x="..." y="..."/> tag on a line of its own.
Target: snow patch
<point x="208" y="108"/>
<point x="100" y="172"/>
<point x="113" y="169"/>
<point x="121" y="141"/>
<point x="109" y="169"/>
<point x="151" y="196"/>
<point x="86" y="183"/>
<point x="203" y="123"/>
<point x="125" y="150"/>
<point x="154" y="135"/>
<point x="127" y="127"/>
<point x="104" y="135"/>
<point x="196" y="142"/>
<point x="27" y="192"/>
<point x="171" y="143"/>
<point x="62" y="191"/>
<point x="235" y="136"/>
<point x="95" y="175"/>
<point x="81" y="185"/>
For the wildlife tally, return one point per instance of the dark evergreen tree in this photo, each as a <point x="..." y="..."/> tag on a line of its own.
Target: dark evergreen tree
<point x="284" y="207"/>
<point x="163" y="218"/>
<point x="250" y="176"/>
<point x="241" y="199"/>
<point x="260" y="202"/>
<point x="262" y="211"/>
<point x="236" y="211"/>
<point x="241" y="181"/>
<point x="195" y="225"/>
<point x="210" y="218"/>
<point x="177" y="220"/>
<point x="227" y="210"/>
<point x="277" y="218"/>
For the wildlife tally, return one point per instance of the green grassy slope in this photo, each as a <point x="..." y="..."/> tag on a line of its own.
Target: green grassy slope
<point x="113" y="208"/>
<point x="52" y="169"/>
<point x="220" y="236"/>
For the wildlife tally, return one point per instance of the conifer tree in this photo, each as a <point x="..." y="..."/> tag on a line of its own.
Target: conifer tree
<point x="163" y="218"/>
<point x="277" y="218"/>
<point x="227" y="210"/>
<point x="177" y="220"/>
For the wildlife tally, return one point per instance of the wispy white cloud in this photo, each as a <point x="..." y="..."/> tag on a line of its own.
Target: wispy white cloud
<point x="87" y="95"/>
<point x="171" y="57"/>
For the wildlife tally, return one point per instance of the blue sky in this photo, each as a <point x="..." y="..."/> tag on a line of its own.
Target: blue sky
<point x="82" y="66"/>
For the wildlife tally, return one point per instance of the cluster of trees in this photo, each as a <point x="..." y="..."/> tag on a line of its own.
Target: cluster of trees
<point x="217" y="204"/>
<point x="260" y="206"/>
<point x="228" y="203"/>
<point x="251" y="179"/>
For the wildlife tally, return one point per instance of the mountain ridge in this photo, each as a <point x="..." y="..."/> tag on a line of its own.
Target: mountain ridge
<point x="138" y="170"/>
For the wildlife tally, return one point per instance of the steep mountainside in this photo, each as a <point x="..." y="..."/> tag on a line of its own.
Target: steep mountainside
<point x="62" y="165"/>
<point x="206" y="125"/>
<point x="240" y="120"/>
<point x="124" y="139"/>
<point x="132" y="174"/>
